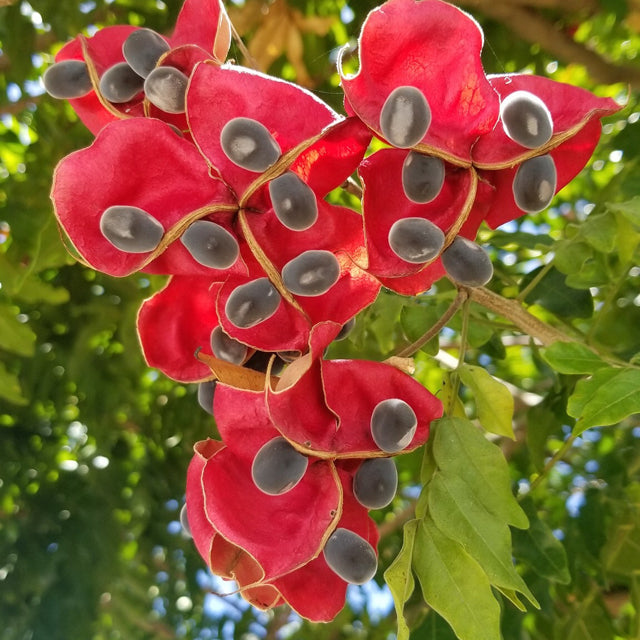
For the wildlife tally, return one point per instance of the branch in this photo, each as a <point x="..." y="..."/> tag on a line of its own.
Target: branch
<point x="515" y="312"/>
<point x="532" y="27"/>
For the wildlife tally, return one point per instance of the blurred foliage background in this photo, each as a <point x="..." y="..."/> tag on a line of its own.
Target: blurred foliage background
<point x="94" y="445"/>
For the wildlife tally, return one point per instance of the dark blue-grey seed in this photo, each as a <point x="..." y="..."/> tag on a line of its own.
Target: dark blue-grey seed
<point x="67" y="79"/>
<point x="405" y="117"/>
<point x="210" y="244"/>
<point x="416" y="240"/>
<point x="120" y="83"/>
<point x="131" y="229"/>
<point x="142" y="50"/>
<point x="252" y="303"/>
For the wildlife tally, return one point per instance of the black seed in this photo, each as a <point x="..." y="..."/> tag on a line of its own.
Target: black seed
<point x="467" y="263"/>
<point x="393" y="425"/>
<point x="120" y="83"/>
<point x="67" y="79"/>
<point x="210" y="244"/>
<point x="350" y="556"/>
<point x="166" y="88"/>
<point x="422" y="177"/>
<point x="278" y="467"/>
<point x="205" y="395"/>
<point x="526" y="119"/>
<point x="142" y="50"/>
<point x="347" y="328"/>
<point x="405" y="117"/>
<point x="252" y="303"/>
<point x="534" y="184"/>
<point x="312" y="273"/>
<point x="249" y="144"/>
<point x="294" y="203"/>
<point x="131" y="229"/>
<point x="226" y="348"/>
<point x="375" y="483"/>
<point x="416" y="240"/>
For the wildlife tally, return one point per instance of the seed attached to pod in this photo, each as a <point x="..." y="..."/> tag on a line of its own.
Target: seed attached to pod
<point x="416" y="240"/>
<point x="467" y="263"/>
<point x="248" y="144"/>
<point x="225" y="348"/>
<point x="375" y="482"/>
<point x="210" y="244"/>
<point x="142" y="50"/>
<point x="350" y="556"/>
<point x="393" y="425"/>
<point x="294" y="202"/>
<point x="312" y="273"/>
<point x="166" y="88"/>
<point x="422" y="177"/>
<point x="405" y="117"/>
<point x="206" y="391"/>
<point x="131" y="229"/>
<point x="347" y="328"/>
<point x="278" y="467"/>
<point x="184" y="521"/>
<point x="534" y="184"/>
<point x="120" y="83"/>
<point x="67" y="80"/>
<point x="526" y="119"/>
<point x="252" y="303"/>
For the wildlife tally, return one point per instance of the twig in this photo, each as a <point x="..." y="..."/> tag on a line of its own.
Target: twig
<point x="389" y="526"/>
<point x="409" y="350"/>
<point x="514" y="311"/>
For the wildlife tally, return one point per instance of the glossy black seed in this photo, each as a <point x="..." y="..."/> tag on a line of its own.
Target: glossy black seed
<point x="416" y="240"/>
<point x="131" y="229"/>
<point x="278" y="467"/>
<point x="534" y="184"/>
<point x="405" y="117"/>
<point x="166" y="88"/>
<point x="184" y="521"/>
<point x="142" y="50"/>
<point x="120" y="83"/>
<point x="210" y="244"/>
<point x="294" y="203"/>
<point x="347" y="328"/>
<point x="526" y="119"/>
<point x="312" y="273"/>
<point x="249" y="144"/>
<point x="206" y="391"/>
<point x="252" y="303"/>
<point x="467" y="263"/>
<point x="226" y="348"/>
<point x="67" y="79"/>
<point x="422" y="177"/>
<point x="375" y="482"/>
<point x="350" y="556"/>
<point x="393" y="425"/>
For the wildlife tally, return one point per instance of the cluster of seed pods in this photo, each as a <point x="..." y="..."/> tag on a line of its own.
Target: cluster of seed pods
<point x="217" y="176"/>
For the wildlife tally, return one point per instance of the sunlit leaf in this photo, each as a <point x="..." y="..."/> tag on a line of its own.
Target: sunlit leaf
<point x="399" y="577"/>
<point x="572" y="358"/>
<point x="461" y="450"/>
<point x="605" y="398"/>
<point x="454" y="585"/>
<point x="494" y="401"/>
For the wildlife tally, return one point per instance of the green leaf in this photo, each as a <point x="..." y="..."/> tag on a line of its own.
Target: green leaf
<point x="572" y="358"/>
<point x="540" y="549"/>
<point x="600" y="231"/>
<point x="454" y="585"/>
<point x="621" y="552"/>
<point x="416" y="320"/>
<point x="605" y="398"/>
<point x="10" y="388"/>
<point x="494" y="402"/>
<point x="487" y="539"/>
<point x="460" y="449"/>
<point x="630" y="210"/>
<point x="553" y="294"/>
<point x="15" y="336"/>
<point x="399" y="577"/>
